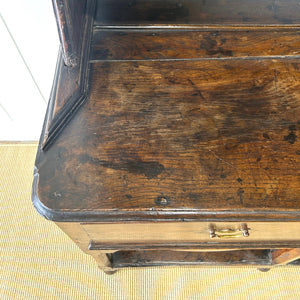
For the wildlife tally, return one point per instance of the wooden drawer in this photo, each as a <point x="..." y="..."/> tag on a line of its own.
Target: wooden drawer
<point x="187" y="235"/>
<point x="147" y="244"/>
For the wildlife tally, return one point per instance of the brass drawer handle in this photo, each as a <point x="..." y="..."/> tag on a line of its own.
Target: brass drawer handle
<point x="228" y="233"/>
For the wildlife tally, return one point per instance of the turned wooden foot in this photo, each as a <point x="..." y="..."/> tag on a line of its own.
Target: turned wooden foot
<point x="110" y="272"/>
<point x="264" y="269"/>
<point x="105" y="263"/>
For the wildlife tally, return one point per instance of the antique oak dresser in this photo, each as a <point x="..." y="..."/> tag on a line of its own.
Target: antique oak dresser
<point x="172" y="132"/>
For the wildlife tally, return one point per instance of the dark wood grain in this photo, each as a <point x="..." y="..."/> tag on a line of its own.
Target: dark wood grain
<point x="192" y="44"/>
<point x="224" y="12"/>
<point x="207" y="136"/>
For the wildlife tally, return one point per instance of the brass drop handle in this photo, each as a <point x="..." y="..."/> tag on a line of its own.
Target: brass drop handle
<point x="228" y="233"/>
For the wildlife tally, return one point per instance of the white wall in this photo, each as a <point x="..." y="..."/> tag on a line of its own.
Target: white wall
<point x="25" y="90"/>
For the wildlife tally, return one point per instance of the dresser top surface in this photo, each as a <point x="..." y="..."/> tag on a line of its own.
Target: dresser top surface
<point x="146" y="144"/>
<point x="173" y="130"/>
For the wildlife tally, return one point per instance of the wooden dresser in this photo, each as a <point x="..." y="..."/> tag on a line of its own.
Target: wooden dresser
<point x="172" y="132"/>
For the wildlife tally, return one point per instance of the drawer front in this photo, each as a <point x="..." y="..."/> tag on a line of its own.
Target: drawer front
<point x="189" y="235"/>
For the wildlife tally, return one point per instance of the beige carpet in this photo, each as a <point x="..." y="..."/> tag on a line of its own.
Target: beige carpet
<point x="38" y="261"/>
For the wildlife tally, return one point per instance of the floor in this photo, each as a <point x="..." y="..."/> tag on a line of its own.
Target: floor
<point x="28" y="57"/>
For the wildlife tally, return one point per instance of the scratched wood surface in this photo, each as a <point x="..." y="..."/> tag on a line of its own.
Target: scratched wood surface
<point x="191" y="135"/>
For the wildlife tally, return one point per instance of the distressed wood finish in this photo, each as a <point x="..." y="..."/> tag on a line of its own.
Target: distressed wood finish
<point x="207" y="136"/>
<point x="170" y="122"/>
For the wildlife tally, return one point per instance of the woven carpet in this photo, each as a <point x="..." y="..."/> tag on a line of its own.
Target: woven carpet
<point x="38" y="261"/>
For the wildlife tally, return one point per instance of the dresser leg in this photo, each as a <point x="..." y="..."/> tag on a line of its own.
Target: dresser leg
<point x="105" y="263"/>
<point x="285" y="256"/>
